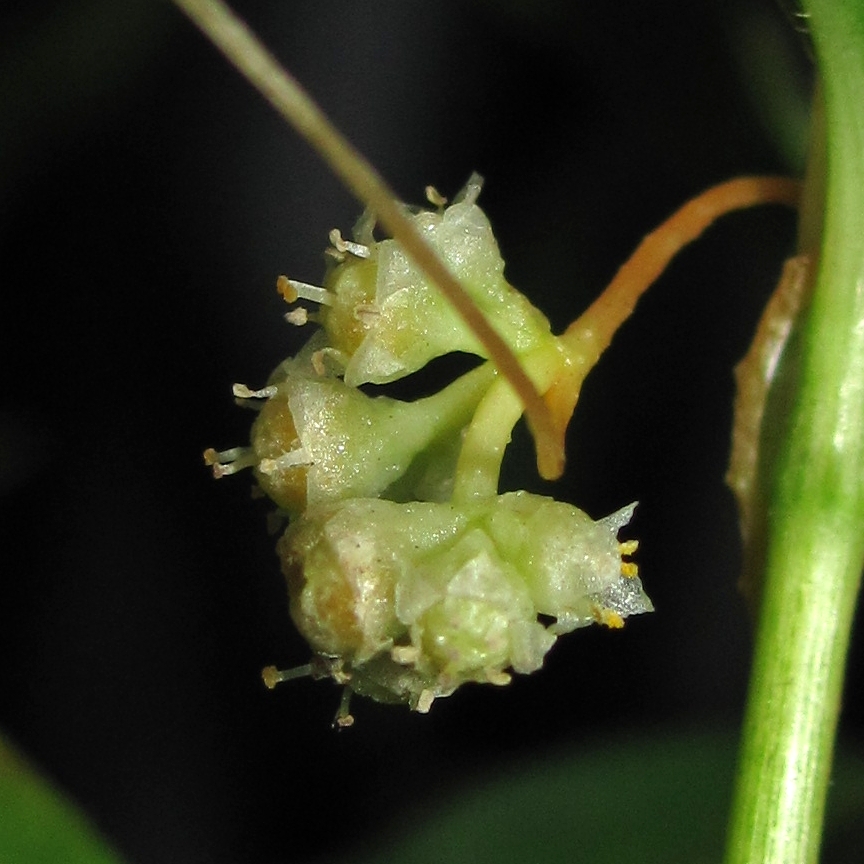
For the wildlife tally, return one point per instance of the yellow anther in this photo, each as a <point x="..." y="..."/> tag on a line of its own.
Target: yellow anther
<point x="434" y="197"/>
<point x="608" y="618"/>
<point x="271" y="676"/>
<point x="286" y="289"/>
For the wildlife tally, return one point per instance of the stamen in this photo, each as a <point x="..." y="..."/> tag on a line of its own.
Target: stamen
<point x="292" y="290"/>
<point x="608" y="617"/>
<point x="298" y="317"/>
<point x="319" y="361"/>
<point x="231" y="461"/>
<point x="291" y="459"/>
<point x="471" y="192"/>
<point x="358" y="250"/>
<point x="271" y="676"/>
<point x="241" y="391"/>
<point x="343" y="715"/>
<point x="285" y="288"/>
<point x="364" y="228"/>
<point x="435" y="198"/>
<point x="629" y="569"/>
<point x="367" y="314"/>
<point x="424" y="701"/>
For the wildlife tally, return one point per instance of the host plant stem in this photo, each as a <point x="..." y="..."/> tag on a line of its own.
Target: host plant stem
<point x="815" y="542"/>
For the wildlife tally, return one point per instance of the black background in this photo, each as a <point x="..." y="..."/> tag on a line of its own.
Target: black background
<point x="149" y="200"/>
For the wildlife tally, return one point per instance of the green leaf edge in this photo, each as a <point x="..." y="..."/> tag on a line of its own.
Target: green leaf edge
<point x="38" y="825"/>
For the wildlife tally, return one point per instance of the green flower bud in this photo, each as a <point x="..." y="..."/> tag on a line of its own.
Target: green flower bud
<point x="385" y="319"/>
<point x="317" y="440"/>
<point x="409" y="601"/>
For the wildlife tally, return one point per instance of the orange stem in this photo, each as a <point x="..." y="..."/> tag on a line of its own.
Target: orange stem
<point x="590" y="334"/>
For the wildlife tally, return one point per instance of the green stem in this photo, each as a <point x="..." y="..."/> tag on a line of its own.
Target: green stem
<point x="487" y="436"/>
<point x="815" y="543"/>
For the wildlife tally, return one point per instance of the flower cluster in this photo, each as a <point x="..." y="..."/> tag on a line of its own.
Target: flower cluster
<point x="408" y="574"/>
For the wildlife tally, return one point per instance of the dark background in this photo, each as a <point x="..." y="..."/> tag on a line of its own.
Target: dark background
<point x="149" y="199"/>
